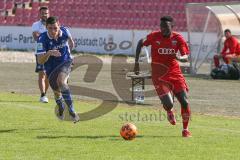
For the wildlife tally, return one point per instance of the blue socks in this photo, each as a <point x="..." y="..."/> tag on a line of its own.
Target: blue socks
<point x="60" y="102"/>
<point x="68" y="99"/>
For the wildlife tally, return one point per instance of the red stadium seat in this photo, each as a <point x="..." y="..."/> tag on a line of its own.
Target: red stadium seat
<point x="2" y="5"/>
<point x="124" y="14"/>
<point x="35" y="5"/>
<point x="28" y="21"/>
<point x="10" y="20"/>
<point x="9" y="4"/>
<point x="2" y="20"/>
<point x="18" y="1"/>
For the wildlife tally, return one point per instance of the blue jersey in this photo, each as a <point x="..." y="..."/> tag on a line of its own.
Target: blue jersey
<point x="46" y="43"/>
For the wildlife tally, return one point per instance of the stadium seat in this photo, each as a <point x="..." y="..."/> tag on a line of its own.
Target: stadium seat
<point x="10" y="20"/>
<point x="18" y="1"/>
<point x="2" y="20"/>
<point x="124" y="14"/>
<point x="26" y="1"/>
<point x="9" y="4"/>
<point x="2" y="5"/>
<point x="43" y="4"/>
<point x="35" y="5"/>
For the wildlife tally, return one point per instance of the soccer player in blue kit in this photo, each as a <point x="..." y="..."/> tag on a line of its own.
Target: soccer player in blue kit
<point x="54" y="51"/>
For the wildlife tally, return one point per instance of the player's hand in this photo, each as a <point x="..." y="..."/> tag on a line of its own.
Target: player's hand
<point x="136" y="68"/>
<point x="54" y="53"/>
<point x="182" y="58"/>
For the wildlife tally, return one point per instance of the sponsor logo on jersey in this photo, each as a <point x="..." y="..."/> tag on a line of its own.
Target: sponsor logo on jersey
<point x="166" y="51"/>
<point x="158" y="42"/>
<point x="62" y="45"/>
<point x="39" y="46"/>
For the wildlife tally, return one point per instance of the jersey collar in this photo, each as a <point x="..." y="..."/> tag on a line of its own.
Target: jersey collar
<point x="60" y="34"/>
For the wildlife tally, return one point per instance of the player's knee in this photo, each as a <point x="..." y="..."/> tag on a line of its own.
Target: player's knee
<point x="184" y="102"/>
<point x="61" y="81"/>
<point x="41" y="75"/>
<point x="63" y="87"/>
<point x="167" y="101"/>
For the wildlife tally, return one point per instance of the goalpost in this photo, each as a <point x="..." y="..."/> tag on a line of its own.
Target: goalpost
<point x="206" y="23"/>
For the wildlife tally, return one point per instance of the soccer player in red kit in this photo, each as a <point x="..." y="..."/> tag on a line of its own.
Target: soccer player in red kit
<point x="166" y="73"/>
<point x="232" y="46"/>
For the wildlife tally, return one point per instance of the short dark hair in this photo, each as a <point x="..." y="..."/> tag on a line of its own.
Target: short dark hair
<point x="227" y="30"/>
<point x="43" y="8"/>
<point x="52" y="20"/>
<point x="167" y="19"/>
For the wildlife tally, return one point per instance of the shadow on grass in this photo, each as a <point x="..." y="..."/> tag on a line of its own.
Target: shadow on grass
<point x="8" y="130"/>
<point x="18" y="101"/>
<point x="20" y="130"/>
<point x="111" y="137"/>
<point x="84" y="137"/>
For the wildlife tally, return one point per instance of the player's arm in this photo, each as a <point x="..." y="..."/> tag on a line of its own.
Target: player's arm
<point x="35" y="35"/>
<point x="70" y="39"/>
<point x="138" y="51"/>
<point x="183" y="58"/>
<point x="42" y="53"/>
<point x="42" y="58"/>
<point x="71" y="43"/>
<point x="142" y="42"/>
<point x="224" y="48"/>
<point x="233" y="46"/>
<point x="35" y="32"/>
<point x="183" y="49"/>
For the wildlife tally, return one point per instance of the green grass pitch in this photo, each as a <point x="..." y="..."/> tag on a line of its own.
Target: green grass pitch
<point x="30" y="130"/>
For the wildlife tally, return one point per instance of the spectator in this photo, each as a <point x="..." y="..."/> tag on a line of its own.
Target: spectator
<point x="38" y="28"/>
<point x="231" y="50"/>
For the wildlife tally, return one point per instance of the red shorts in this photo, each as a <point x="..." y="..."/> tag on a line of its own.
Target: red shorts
<point x="168" y="79"/>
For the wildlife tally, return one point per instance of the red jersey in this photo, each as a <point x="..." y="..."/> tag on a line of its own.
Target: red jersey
<point x="166" y="72"/>
<point x="164" y="49"/>
<point x="232" y="45"/>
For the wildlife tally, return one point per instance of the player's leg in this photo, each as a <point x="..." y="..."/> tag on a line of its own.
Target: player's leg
<point x="216" y="60"/>
<point x="59" y="100"/>
<point x="233" y="58"/>
<point x="57" y="93"/>
<point x="227" y="58"/>
<point x="58" y="82"/>
<point x="46" y="82"/>
<point x="41" y="83"/>
<point x="62" y="78"/>
<point x="163" y="90"/>
<point x="167" y="102"/>
<point x="66" y="94"/>
<point x="185" y="111"/>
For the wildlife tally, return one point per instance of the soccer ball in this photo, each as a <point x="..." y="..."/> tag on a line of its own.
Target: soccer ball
<point x="128" y="131"/>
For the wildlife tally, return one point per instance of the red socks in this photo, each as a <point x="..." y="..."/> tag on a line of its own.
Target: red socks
<point x="186" y="113"/>
<point x="216" y="61"/>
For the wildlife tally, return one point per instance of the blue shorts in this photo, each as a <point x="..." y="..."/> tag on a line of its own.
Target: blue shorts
<point x="39" y="67"/>
<point x="53" y="74"/>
